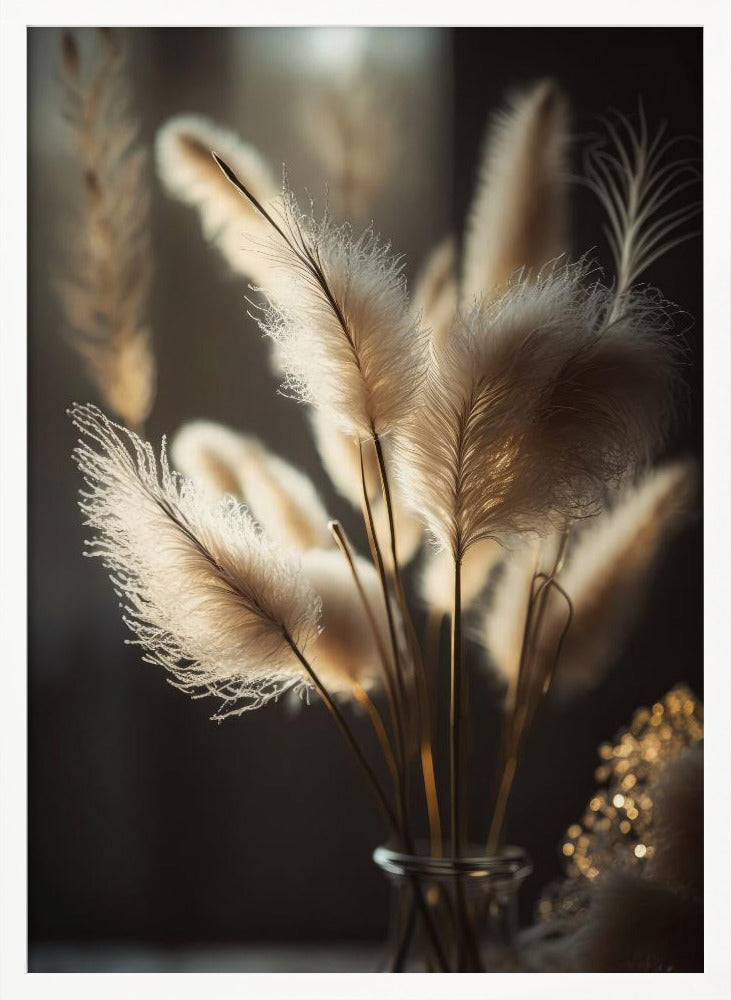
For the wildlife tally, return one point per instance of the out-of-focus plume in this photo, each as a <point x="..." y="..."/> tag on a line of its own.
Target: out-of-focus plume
<point x="435" y="294"/>
<point x="436" y="580"/>
<point x="185" y="164"/>
<point x="104" y="283"/>
<point x="346" y="651"/>
<point x="518" y="217"/>
<point x="205" y="594"/>
<point x="281" y="498"/>
<point x="609" y="567"/>
<point x="350" y="122"/>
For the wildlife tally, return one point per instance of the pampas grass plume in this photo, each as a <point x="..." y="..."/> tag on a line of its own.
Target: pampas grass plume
<point x="609" y="567"/>
<point x="345" y="651"/>
<point x="518" y="216"/>
<point x="104" y="285"/>
<point x="282" y="499"/>
<point x="205" y="594"/>
<point x="189" y="173"/>
<point x="434" y="299"/>
<point x="535" y="405"/>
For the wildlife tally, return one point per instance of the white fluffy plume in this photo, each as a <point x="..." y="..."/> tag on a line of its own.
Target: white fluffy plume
<point x="518" y="216"/>
<point x="205" y="594"/>
<point x="345" y="651"/>
<point x="346" y="338"/>
<point x="434" y="299"/>
<point x="282" y="499"/>
<point x="188" y="171"/>
<point x="609" y="568"/>
<point x="532" y="407"/>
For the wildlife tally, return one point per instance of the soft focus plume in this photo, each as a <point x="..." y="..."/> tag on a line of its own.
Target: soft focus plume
<point x="206" y="596"/>
<point x="189" y="172"/>
<point x="518" y="217"/>
<point x="436" y="580"/>
<point x="434" y="299"/>
<point x="350" y="125"/>
<point x="608" y="571"/>
<point x="340" y="457"/>
<point x="104" y="285"/>
<point x="346" y="339"/>
<point x="532" y="407"/>
<point x="345" y="651"/>
<point x="282" y="499"/>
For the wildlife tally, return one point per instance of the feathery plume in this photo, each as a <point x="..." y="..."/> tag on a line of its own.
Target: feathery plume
<point x="104" y="286"/>
<point x="608" y="570"/>
<point x="436" y="579"/>
<point x="677" y="820"/>
<point x="346" y="339"/>
<point x="634" y="180"/>
<point x="350" y="126"/>
<point x="518" y="216"/>
<point x="434" y="299"/>
<point x="205" y="594"/>
<point x="340" y="457"/>
<point x="188" y="171"/>
<point x="345" y="651"/>
<point x="533" y="407"/>
<point x="282" y="499"/>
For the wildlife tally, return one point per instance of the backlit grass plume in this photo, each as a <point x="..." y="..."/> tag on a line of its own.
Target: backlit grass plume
<point x="205" y="594"/>
<point x="282" y="499"/>
<point x="435" y="294"/>
<point x="518" y="218"/>
<point x="346" y="341"/>
<point x="188" y="172"/>
<point x="533" y="406"/>
<point x="104" y="283"/>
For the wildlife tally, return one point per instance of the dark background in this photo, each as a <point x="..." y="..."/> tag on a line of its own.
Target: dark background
<point x="148" y="824"/>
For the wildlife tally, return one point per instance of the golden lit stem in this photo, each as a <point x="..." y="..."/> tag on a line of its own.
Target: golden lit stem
<point x="455" y="715"/>
<point x="374" y="715"/>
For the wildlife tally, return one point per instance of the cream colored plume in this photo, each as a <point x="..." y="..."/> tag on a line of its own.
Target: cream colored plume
<point x="435" y="294"/>
<point x="340" y="457"/>
<point x="282" y="499"/>
<point x="503" y="624"/>
<point x="609" y="568"/>
<point x="104" y="285"/>
<point x="188" y="171"/>
<point x="345" y="651"/>
<point x="436" y="579"/>
<point x="346" y="338"/>
<point x="205" y="594"/>
<point x="534" y="405"/>
<point x="350" y="125"/>
<point x="518" y="216"/>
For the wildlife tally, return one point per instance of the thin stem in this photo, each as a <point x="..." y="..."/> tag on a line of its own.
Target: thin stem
<point x="362" y="697"/>
<point x="342" y="725"/>
<point x="422" y="700"/>
<point x="455" y="716"/>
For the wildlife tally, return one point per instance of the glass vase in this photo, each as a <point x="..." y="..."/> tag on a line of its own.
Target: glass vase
<point x="453" y="915"/>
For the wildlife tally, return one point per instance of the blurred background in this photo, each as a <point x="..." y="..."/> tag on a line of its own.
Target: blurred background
<point x="158" y="839"/>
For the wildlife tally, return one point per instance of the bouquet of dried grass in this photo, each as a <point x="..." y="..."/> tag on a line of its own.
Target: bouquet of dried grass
<point x="508" y="409"/>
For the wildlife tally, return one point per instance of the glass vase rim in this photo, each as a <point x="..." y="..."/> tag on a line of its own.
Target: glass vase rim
<point x="510" y="863"/>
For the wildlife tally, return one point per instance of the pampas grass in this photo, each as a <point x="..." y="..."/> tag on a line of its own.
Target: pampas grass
<point x="104" y="284"/>
<point x="435" y="579"/>
<point x="533" y="407"/>
<point x="346" y="651"/>
<point x="346" y="341"/>
<point x="205" y="594"/>
<point x="518" y="219"/>
<point x="282" y="499"/>
<point x="609" y="568"/>
<point x="435" y="295"/>
<point x="229" y="222"/>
